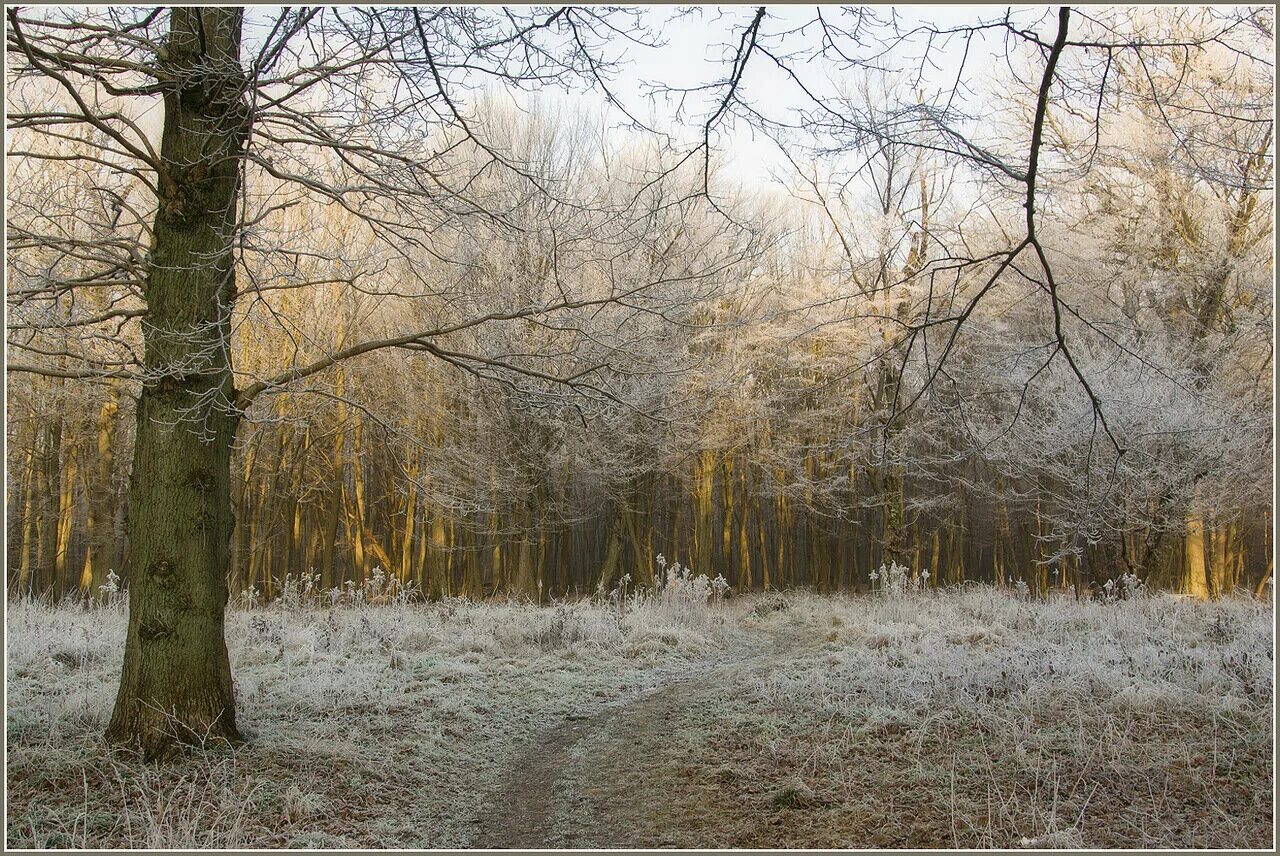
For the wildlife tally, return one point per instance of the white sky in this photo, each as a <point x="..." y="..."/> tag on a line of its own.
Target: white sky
<point x="699" y="49"/>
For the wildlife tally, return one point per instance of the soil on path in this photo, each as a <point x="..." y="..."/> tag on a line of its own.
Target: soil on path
<point x="613" y="779"/>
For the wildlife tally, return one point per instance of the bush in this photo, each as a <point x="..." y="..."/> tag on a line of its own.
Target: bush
<point x="305" y="591"/>
<point x="894" y="580"/>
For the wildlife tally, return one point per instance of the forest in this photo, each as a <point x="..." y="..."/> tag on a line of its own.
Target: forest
<point x="627" y="352"/>
<point x="386" y="379"/>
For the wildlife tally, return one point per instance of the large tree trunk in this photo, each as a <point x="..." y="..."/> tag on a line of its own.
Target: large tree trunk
<point x="175" y="686"/>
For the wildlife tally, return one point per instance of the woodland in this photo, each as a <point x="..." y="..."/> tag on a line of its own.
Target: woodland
<point x="439" y="303"/>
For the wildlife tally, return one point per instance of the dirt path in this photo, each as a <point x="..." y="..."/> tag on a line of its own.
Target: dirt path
<point x="603" y="780"/>
<point x="541" y="786"/>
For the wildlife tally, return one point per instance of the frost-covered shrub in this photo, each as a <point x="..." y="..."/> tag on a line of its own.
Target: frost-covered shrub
<point x="1125" y="588"/>
<point x="618" y="595"/>
<point x="250" y="598"/>
<point x="677" y="594"/>
<point x="306" y="592"/>
<point x="111" y="593"/>
<point x="566" y="624"/>
<point x="683" y="595"/>
<point x="381" y="587"/>
<point x="295" y="592"/>
<point x="894" y="580"/>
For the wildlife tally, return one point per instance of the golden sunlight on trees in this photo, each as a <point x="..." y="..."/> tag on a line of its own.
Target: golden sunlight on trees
<point x="323" y="293"/>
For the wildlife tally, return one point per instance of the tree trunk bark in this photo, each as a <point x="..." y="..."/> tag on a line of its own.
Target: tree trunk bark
<point x="46" y="525"/>
<point x="1197" y="578"/>
<point x="28" y="521"/>
<point x="410" y="510"/>
<point x="175" y="685"/>
<point x="612" y="554"/>
<point x="892" y="487"/>
<point x="438" y="580"/>
<point x="98" y="495"/>
<point x="66" y="514"/>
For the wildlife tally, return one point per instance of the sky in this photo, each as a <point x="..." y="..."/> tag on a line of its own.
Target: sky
<point x="700" y="46"/>
<point x="697" y="49"/>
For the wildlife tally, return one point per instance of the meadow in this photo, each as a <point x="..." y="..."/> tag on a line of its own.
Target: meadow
<point x="965" y="717"/>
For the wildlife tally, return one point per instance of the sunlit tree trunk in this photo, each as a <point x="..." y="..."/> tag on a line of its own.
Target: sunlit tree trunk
<point x="1223" y="558"/>
<point x="726" y="527"/>
<point x="47" y="521"/>
<point x="98" y="495"/>
<point x="783" y="521"/>
<point x="410" y="512"/>
<point x="329" y="577"/>
<point x="175" y="684"/>
<point x="496" y="576"/>
<point x="355" y="512"/>
<point x="1261" y="590"/>
<point x="934" y="557"/>
<point x="66" y="513"/>
<point x="745" y="573"/>
<point x="1197" y="584"/>
<point x="703" y="525"/>
<point x="295" y="560"/>
<point x="891" y="485"/>
<point x="439" y="562"/>
<point x="28" y="520"/>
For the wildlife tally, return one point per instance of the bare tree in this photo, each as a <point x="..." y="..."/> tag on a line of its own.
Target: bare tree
<point x="220" y="212"/>
<point x="361" y="109"/>
<point x="1069" y="62"/>
<point x="1202" y="77"/>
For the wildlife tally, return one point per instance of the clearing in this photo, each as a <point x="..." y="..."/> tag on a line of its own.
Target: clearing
<point x="959" y="718"/>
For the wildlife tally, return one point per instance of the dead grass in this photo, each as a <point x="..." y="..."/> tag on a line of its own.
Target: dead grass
<point x="366" y="726"/>
<point x="1053" y="725"/>
<point x="990" y="785"/>
<point x="971" y="719"/>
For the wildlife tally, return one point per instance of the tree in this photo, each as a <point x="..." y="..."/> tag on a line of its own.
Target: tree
<point x="358" y="108"/>
<point x="245" y="221"/>
<point x="1201" y="77"/>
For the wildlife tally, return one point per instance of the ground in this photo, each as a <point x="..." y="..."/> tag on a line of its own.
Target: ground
<point x="962" y="718"/>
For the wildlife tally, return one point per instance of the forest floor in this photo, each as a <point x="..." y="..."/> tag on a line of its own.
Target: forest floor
<point x="969" y="718"/>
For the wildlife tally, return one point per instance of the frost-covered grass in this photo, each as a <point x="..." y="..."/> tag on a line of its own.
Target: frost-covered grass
<point x="979" y="718"/>
<point x="373" y="725"/>
<point x="970" y="718"/>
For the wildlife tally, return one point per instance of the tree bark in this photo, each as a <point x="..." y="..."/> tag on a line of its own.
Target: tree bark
<point x="175" y="685"/>
<point x="98" y="495"/>
<point x="612" y="554"/>
<point x="1197" y="578"/>
<point x="46" y="524"/>
<point x="28" y="521"/>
